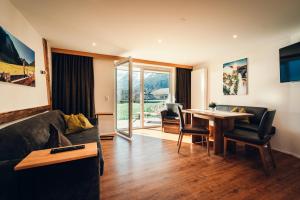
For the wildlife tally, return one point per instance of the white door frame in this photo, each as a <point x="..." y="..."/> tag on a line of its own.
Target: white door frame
<point x="120" y="131"/>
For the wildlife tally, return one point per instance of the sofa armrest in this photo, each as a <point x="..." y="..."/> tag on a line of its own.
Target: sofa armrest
<point x="94" y="121"/>
<point x="76" y="180"/>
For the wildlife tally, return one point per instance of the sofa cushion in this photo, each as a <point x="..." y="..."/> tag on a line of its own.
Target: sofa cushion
<point x="246" y="126"/>
<point x="257" y="112"/>
<point x="19" y="139"/>
<point x="56" y="138"/>
<point x="85" y="136"/>
<point x="86" y="124"/>
<point x="13" y="146"/>
<point x="53" y="140"/>
<point x="247" y="136"/>
<point x="73" y="124"/>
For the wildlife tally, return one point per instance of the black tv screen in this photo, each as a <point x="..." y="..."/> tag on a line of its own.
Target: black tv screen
<point x="290" y="63"/>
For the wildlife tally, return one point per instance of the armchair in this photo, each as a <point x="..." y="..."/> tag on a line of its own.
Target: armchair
<point x="170" y="118"/>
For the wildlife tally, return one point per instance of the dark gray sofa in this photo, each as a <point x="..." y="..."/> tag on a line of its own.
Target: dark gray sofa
<point x="19" y="139"/>
<point x="255" y="120"/>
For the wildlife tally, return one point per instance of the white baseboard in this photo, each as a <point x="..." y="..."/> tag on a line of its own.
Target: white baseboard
<point x="287" y="152"/>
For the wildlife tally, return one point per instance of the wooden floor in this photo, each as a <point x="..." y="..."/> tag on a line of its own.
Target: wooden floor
<point x="150" y="168"/>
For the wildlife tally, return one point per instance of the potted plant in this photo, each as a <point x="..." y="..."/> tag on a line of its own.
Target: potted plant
<point x="212" y="106"/>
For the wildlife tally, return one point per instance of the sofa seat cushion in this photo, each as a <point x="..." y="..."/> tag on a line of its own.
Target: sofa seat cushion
<point x="252" y="127"/>
<point x="247" y="136"/>
<point x="246" y="126"/>
<point x="85" y="136"/>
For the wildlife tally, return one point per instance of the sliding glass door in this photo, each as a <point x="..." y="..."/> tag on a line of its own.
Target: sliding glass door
<point x="156" y="95"/>
<point x="123" y="97"/>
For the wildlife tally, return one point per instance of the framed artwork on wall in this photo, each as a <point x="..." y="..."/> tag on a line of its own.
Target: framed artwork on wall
<point x="235" y="77"/>
<point x="17" y="61"/>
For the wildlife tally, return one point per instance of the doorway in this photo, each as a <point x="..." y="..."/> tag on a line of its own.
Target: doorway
<point x="142" y="91"/>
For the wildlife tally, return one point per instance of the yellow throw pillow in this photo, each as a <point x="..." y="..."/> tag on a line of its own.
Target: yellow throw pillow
<point x="244" y="119"/>
<point x="85" y="123"/>
<point x="235" y="109"/>
<point x="77" y="123"/>
<point x="73" y="123"/>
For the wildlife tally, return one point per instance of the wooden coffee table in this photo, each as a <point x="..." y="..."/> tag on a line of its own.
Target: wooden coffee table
<point x="44" y="158"/>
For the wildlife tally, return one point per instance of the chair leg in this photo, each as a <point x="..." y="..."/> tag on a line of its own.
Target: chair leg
<point x="202" y="138"/>
<point x="179" y="137"/>
<point x="271" y="154"/>
<point x="225" y="147"/>
<point x="207" y="144"/>
<point x="263" y="159"/>
<point x="180" y="142"/>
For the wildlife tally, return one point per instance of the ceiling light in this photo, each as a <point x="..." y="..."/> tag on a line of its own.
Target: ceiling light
<point x="94" y="44"/>
<point x="234" y="36"/>
<point x="159" y="41"/>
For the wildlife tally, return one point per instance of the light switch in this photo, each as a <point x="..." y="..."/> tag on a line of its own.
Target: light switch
<point x="106" y="98"/>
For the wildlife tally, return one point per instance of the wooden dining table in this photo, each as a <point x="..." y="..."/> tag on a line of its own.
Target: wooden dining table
<point x="223" y="121"/>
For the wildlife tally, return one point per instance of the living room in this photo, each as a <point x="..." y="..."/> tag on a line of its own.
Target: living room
<point x="149" y="99"/>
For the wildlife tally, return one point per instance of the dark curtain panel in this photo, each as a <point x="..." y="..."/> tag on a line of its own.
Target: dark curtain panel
<point x="73" y="84"/>
<point x="183" y="88"/>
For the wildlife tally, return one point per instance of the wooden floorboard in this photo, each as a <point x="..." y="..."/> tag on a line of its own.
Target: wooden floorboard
<point x="150" y="168"/>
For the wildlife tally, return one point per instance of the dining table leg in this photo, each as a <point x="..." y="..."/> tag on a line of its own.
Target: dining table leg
<point x="221" y="125"/>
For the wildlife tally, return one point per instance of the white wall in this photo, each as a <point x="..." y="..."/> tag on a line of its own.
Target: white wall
<point x="199" y="88"/>
<point x="104" y="92"/>
<point x="265" y="89"/>
<point x="13" y="96"/>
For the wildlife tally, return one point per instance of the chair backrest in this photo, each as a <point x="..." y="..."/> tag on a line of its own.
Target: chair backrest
<point x="266" y="123"/>
<point x="181" y="118"/>
<point x="172" y="109"/>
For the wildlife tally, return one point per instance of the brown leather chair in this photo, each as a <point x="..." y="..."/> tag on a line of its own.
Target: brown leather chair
<point x="191" y="130"/>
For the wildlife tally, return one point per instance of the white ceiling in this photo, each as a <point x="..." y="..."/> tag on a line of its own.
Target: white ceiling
<point x="191" y="31"/>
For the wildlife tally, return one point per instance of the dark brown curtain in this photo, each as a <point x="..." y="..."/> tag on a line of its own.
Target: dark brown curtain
<point x="183" y="88"/>
<point x="73" y="84"/>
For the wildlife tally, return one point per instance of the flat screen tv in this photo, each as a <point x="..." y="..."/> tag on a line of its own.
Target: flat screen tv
<point x="290" y="63"/>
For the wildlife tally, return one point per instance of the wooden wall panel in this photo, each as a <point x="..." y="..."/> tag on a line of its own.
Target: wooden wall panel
<point x="46" y="61"/>
<point x="112" y="57"/>
<point x="6" y="117"/>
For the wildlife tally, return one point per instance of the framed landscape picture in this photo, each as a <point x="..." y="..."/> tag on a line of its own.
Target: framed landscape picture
<point x="235" y="77"/>
<point x="17" y="61"/>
